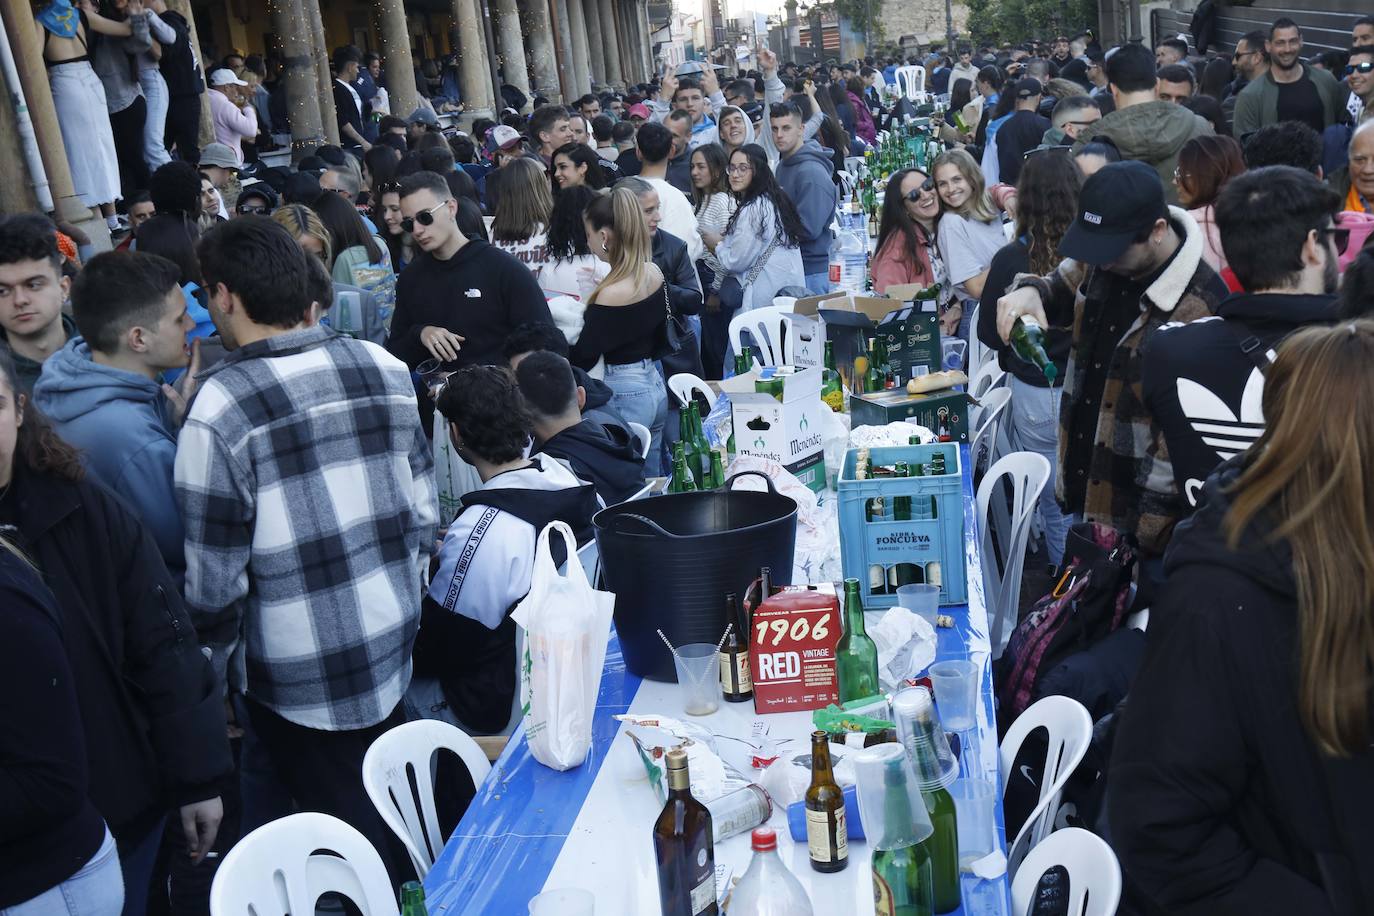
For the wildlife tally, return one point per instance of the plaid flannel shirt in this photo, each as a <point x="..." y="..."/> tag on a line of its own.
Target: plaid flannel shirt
<point x="307" y="489"/>
<point x="1130" y="477"/>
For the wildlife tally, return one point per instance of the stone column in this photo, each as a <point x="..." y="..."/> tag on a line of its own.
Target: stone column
<point x="567" y="66"/>
<point x="325" y="83"/>
<point x="597" y="50"/>
<point x="647" y="41"/>
<point x="511" y="44"/>
<point x="539" y="42"/>
<point x="472" y="60"/>
<point x="302" y="83"/>
<point x="17" y="185"/>
<point x="610" y="42"/>
<point x="33" y="77"/>
<point x="624" y="27"/>
<point x="577" y="25"/>
<point x="207" y="126"/>
<point x="391" y="20"/>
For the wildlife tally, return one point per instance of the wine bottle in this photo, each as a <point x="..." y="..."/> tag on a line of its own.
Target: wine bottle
<point x="856" y="656"/>
<point x="413" y="899"/>
<point x="683" y="847"/>
<point x="827" y="836"/>
<point x="735" y="682"/>
<point x="874" y="379"/>
<point x="1028" y="341"/>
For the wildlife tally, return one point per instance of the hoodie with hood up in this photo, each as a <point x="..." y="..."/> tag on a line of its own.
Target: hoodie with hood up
<point x="119" y="422"/>
<point x="607" y="456"/>
<point x="1152" y="132"/>
<point x="1221" y="802"/>
<point x="806" y="177"/>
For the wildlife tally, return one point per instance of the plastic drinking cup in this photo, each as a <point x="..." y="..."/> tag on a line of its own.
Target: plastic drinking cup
<point x="564" y="901"/>
<point x="974" y="800"/>
<point x="956" y="693"/>
<point x="921" y="600"/>
<point x="433" y="373"/>
<point x="698" y="677"/>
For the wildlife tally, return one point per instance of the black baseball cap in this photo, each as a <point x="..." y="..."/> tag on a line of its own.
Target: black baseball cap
<point x="1117" y="204"/>
<point x="1028" y="88"/>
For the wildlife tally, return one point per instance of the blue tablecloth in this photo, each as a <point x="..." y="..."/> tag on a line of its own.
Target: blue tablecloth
<point x="503" y="849"/>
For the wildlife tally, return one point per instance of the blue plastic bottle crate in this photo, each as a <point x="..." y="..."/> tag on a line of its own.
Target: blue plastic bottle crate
<point x="929" y="545"/>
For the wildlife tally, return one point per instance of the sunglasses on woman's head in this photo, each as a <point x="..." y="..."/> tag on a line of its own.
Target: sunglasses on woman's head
<point x="389" y="187"/>
<point x="424" y="218"/>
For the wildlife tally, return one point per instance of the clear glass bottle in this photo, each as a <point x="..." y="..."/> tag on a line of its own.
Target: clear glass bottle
<point x="768" y="887"/>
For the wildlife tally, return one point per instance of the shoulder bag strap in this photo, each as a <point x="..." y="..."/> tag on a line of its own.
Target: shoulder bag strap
<point x="1250" y="345"/>
<point x="757" y="269"/>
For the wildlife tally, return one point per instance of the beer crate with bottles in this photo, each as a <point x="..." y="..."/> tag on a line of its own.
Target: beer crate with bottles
<point x="901" y="514"/>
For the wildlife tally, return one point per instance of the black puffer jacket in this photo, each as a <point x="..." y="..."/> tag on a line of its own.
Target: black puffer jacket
<point x="153" y="715"/>
<point x="1220" y="802"/>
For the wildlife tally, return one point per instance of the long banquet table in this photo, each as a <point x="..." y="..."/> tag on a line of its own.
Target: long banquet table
<point x="530" y="828"/>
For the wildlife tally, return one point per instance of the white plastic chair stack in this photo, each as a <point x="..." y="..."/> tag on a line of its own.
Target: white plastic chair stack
<point x="1094" y="873"/>
<point x="986" y="420"/>
<point x="768" y="326"/>
<point x="406" y="749"/>
<point x="1003" y="530"/>
<point x="911" y="82"/>
<point x="283" y="867"/>
<point x="979" y="353"/>
<point x="1070" y="731"/>
<point x="685" y="385"/>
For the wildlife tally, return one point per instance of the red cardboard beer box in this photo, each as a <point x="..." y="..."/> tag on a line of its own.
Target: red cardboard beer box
<point x="792" y="650"/>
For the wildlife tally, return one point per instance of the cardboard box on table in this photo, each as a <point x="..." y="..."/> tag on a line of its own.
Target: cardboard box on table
<point x="851" y="320"/>
<point x="786" y="431"/>
<point x="912" y="335"/>
<point x="792" y="649"/>
<point x="944" y="411"/>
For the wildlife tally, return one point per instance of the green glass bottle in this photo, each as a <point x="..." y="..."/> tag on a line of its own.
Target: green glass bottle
<point x="717" y="470"/>
<point x="691" y="448"/>
<point x="743" y="363"/>
<point x="856" y="657"/>
<point x="703" y="445"/>
<point x="944" y="848"/>
<point x="914" y="713"/>
<point x="830" y="379"/>
<point x="873" y="376"/>
<point x="413" y="899"/>
<point x="1028" y="341"/>
<point x="681" y="481"/>
<point x="901" y="505"/>
<point x="903" y="875"/>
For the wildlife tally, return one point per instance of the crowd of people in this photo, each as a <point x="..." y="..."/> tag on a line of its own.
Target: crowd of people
<point x="232" y="558"/>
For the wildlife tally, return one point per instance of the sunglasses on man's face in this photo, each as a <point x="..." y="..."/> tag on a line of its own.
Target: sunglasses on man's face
<point x="1365" y="66"/>
<point x="424" y="218"/>
<point x="1340" y="237"/>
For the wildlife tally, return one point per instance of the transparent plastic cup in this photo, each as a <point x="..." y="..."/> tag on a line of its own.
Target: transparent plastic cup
<point x="921" y="600"/>
<point x="433" y="374"/>
<point x="698" y="677"/>
<point x="956" y="693"/>
<point x="564" y="901"/>
<point x="974" y="800"/>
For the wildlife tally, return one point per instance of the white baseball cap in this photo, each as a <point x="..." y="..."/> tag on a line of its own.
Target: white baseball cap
<point x="225" y="77"/>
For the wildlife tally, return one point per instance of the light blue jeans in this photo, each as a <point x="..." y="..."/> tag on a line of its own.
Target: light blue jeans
<point x="96" y="890"/>
<point x="155" y="91"/>
<point x="638" y="393"/>
<point x="819" y="283"/>
<point x="1035" y="428"/>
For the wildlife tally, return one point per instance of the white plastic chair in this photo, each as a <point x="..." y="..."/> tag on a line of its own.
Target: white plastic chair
<point x="979" y="353"/>
<point x="685" y="385"/>
<point x="1006" y="528"/>
<point x="644" y="435"/>
<point x="986" y="421"/>
<point x="1094" y="873"/>
<point x="387" y="769"/>
<point x="911" y="82"/>
<point x="1070" y="731"/>
<point x="984" y="378"/>
<point x="768" y="326"/>
<point x="276" y="870"/>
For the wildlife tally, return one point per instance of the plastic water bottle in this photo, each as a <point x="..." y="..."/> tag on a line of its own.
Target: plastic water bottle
<point x="848" y="261"/>
<point x="767" y="887"/>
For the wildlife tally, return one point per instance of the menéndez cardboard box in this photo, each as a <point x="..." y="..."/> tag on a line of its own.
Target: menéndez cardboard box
<point x="944" y="412"/>
<point x="786" y="431"/>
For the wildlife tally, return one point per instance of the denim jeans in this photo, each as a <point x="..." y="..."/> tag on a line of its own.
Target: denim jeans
<point x="96" y="890"/>
<point x="819" y="283"/>
<point x="1035" y="428"/>
<point x="638" y="393"/>
<point x="155" y="91"/>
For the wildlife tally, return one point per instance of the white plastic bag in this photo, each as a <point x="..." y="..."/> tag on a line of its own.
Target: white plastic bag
<point x="566" y="623"/>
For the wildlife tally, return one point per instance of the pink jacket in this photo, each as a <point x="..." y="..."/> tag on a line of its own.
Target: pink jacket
<point x="896" y="264"/>
<point x="863" y="121"/>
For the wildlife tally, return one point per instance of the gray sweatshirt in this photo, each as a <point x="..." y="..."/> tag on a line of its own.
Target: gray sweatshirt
<point x="110" y="58"/>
